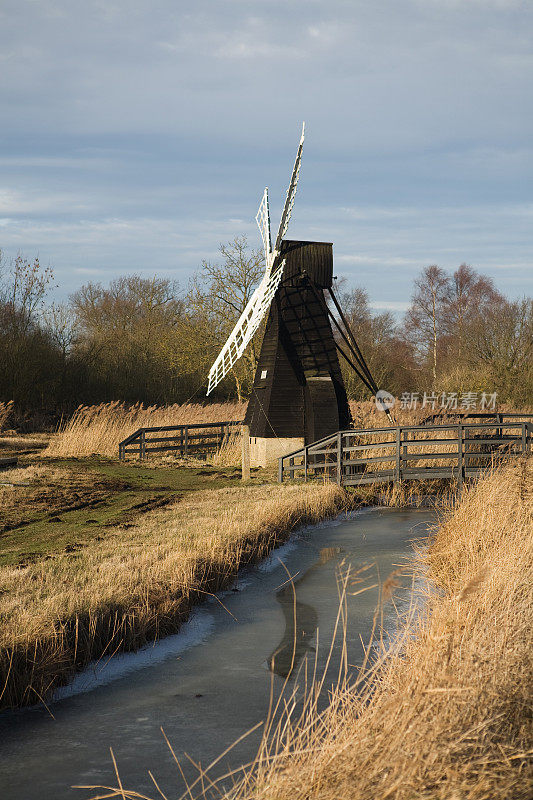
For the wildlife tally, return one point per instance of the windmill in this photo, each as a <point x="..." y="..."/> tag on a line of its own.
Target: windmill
<point x="298" y="394"/>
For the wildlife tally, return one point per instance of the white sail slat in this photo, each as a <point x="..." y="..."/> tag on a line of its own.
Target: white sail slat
<point x="263" y="223"/>
<point x="291" y="194"/>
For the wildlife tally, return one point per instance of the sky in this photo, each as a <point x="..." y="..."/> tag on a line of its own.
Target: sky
<point x="136" y="137"/>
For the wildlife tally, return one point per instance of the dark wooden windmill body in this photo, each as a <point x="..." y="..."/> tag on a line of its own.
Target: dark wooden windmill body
<point x="298" y="394"/>
<point x="298" y="389"/>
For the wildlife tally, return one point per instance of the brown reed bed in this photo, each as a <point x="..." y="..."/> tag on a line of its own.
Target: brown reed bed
<point x="139" y="583"/>
<point x="99" y="429"/>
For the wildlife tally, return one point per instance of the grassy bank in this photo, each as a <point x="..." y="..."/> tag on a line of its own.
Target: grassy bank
<point x="62" y="504"/>
<point x="137" y="581"/>
<point x="449" y="715"/>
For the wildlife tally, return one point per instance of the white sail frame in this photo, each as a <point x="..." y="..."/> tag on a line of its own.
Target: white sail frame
<point x="291" y="194"/>
<point x="263" y="223"/>
<point x="248" y="323"/>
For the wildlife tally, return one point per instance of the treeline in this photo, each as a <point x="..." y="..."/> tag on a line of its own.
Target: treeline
<point x="148" y="340"/>
<point x="460" y="334"/>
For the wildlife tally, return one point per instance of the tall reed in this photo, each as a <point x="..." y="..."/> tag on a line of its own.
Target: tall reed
<point x="5" y="411"/>
<point x="448" y="713"/>
<point x="99" y="429"/>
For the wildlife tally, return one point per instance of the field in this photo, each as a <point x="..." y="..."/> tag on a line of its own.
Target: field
<point x="90" y="547"/>
<point x="99" y="556"/>
<point x="62" y="505"/>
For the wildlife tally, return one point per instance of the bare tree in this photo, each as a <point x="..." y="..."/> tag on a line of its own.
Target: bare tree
<point x="220" y="292"/>
<point x="468" y="295"/>
<point x="129" y="336"/>
<point x="25" y="291"/>
<point x="501" y="344"/>
<point x="425" y="317"/>
<point x="388" y="357"/>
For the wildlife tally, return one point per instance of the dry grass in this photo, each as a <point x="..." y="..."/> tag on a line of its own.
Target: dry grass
<point x="448" y="715"/>
<point x="99" y="429"/>
<point x="15" y="479"/>
<point x="5" y="411"/>
<point x="138" y="583"/>
<point x="366" y="415"/>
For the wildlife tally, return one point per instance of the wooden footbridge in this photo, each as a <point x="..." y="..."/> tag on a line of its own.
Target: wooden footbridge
<point x="456" y="451"/>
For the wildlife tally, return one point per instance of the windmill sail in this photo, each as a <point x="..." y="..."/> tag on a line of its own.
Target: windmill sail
<point x="263" y="223"/>
<point x="258" y="305"/>
<point x="291" y="194"/>
<point x="245" y="328"/>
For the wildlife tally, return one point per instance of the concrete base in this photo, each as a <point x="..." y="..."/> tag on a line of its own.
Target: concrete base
<point x="264" y="451"/>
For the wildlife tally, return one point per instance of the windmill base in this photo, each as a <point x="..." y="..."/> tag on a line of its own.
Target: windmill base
<point x="264" y="451"/>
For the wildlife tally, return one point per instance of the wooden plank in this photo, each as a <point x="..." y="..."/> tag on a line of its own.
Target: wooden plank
<point x="196" y="426"/>
<point x="191" y="439"/>
<point x="361" y="461"/>
<point x="426" y="456"/>
<point x="315" y="452"/>
<point x="370" y="446"/>
<point x="433" y="471"/>
<point x="193" y="448"/>
<point x="428" y="442"/>
<point x="352" y="481"/>
<point x="131" y="437"/>
<point x="494" y="440"/>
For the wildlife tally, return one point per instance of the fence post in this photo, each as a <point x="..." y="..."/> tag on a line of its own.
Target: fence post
<point x="460" y="462"/>
<point x="142" y="445"/>
<point x="280" y="470"/>
<point x="339" y="458"/>
<point x="186" y="442"/>
<point x="245" y="453"/>
<point x="121" y="456"/>
<point x="398" y="454"/>
<point x="305" y="463"/>
<point x="524" y="437"/>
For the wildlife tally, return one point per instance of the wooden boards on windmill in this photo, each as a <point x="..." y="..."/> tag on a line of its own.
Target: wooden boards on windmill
<point x="311" y="259"/>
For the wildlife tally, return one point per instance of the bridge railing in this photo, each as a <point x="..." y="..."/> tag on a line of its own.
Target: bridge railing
<point x="183" y="440"/>
<point x="417" y="452"/>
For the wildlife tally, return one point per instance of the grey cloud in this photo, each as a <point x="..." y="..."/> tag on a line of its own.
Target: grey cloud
<point x="140" y="135"/>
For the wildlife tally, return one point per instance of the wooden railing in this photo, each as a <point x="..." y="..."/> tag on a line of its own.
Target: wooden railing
<point x="418" y="452"/>
<point x="183" y="440"/>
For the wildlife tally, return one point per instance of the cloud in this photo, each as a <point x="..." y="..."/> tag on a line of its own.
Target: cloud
<point x="138" y="137"/>
<point x="392" y="305"/>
